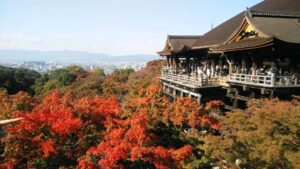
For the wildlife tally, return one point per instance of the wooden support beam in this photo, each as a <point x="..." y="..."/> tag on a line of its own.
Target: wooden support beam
<point x="244" y="88"/>
<point x="168" y="61"/>
<point x="174" y="92"/>
<point x="188" y="92"/>
<point x="262" y="91"/>
<point x="235" y="101"/>
<point x="252" y="95"/>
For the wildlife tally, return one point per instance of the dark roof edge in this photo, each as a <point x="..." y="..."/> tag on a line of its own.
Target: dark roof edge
<point x="184" y="36"/>
<point x="268" y="13"/>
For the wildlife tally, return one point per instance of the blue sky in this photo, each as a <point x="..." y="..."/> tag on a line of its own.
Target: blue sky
<point x="116" y="27"/>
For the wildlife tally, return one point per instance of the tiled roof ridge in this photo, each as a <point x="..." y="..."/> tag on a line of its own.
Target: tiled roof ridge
<point x="271" y="13"/>
<point x="184" y="36"/>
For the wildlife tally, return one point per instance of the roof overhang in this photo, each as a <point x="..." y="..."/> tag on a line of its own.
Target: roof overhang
<point x="202" y="47"/>
<point x="164" y="53"/>
<point x="243" y="26"/>
<point x="245" y="44"/>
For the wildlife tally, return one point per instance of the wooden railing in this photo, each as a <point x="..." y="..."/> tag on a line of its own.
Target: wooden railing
<point x="170" y="70"/>
<point x="197" y="81"/>
<point x="254" y="80"/>
<point x="265" y="81"/>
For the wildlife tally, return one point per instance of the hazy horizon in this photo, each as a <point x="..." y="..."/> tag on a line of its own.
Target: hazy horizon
<point x="69" y="56"/>
<point x="110" y="27"/>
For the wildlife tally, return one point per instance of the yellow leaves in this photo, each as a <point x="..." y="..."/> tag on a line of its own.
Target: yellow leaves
<point x="9" y="104"/>
<point x="213" y="104"/>
<point x="263" y="137"/>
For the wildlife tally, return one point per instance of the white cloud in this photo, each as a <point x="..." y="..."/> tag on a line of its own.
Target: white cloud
<point x="78" y="42"/>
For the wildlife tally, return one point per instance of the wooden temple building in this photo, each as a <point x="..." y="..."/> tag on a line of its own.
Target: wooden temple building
<point x="255" y="54"/>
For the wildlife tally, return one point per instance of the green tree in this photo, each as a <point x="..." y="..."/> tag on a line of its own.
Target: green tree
<point x="55" y="79"/>
<point x="266" y="136"/>
<point x="99" y="72"/>
<point x="17" y="79"/>
<point x="126" y="71"/>
<point x="77" y="71"/>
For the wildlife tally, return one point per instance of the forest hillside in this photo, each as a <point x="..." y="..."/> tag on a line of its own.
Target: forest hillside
<point x="73" y="118"/>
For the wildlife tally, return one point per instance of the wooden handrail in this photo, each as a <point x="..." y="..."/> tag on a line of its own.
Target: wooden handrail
<point x="262" y="80"/>
<point x="255" y="80"/>
<point x="193" y="80"/>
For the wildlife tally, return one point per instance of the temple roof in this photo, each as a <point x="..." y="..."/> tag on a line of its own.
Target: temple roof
<point x="286" y="29"/>
<point x="178" y="43"/>
<point x="272" y="19"/>
<point x="251" y="43"/>
<point x="269" y="13"/>
<point x="262" y="12"/>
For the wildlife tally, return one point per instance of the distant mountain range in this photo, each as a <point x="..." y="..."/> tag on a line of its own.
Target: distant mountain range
<point x="66" y="56"/>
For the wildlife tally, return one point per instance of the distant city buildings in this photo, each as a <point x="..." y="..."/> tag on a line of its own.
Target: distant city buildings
<point x="108" y="67"/>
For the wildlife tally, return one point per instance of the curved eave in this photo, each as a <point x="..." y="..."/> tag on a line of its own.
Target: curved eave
<point x="164" y="53"/>
<point x="247" y="44"/>
<point x="183" y="49"/>
<point x="202" y="47"/>
<point x="240" y="29"/>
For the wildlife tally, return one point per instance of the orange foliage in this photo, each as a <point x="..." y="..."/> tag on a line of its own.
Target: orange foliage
<point x="17" y="102"/>
<point x="99" y="132"/>
<point x="213" y="104"/>
<point x="131" y="140"/>
<point x="47" y="147"/>
<point x="98" y="110"/>
<point x="10" y="163"/>
<point x="60" y="125"/>
<point x="52" y="114"/>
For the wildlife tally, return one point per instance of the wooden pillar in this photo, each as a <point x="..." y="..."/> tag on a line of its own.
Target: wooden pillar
<point x="273" y="79"/>
<point x="212" y="68"/>
<point x="168" y="61"/>
<point x="188" y="64"/>
<point x="172" y="61"/>
<point x="192" y="64"/>
<point x="272" y="94"/>
<point x="231" y="65"/>
<point x="181" y="93"/>
<point x="252" y="95"/>
<point x="254" y="68"/>
<point x="199" y="99"/>
<point x="174" y="92"/>
<point x="273" y="65"/>
<point x="176" y="62"/>
<point x="244" y="64"/>
<point x="235" y="101"/>
<point x="220" y="66"/>
<point x="195" y="64"/>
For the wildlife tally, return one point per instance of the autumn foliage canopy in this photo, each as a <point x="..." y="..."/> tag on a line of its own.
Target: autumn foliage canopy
<point x="90" y="125"/>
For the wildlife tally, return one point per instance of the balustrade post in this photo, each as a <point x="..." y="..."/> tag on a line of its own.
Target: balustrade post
<point x="201" y="80"/>
<point x="199" y="99"/>
<point x="174" y="92"/>
<point x="273" y="79"/>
